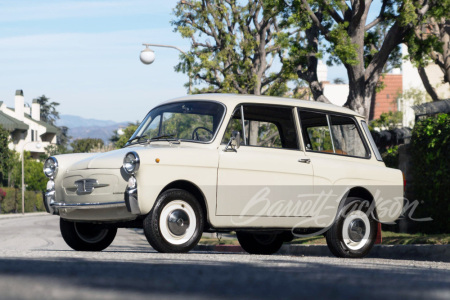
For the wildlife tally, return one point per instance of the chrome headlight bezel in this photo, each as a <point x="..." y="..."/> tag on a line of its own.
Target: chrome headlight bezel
<point x="51" y="167"/>
<point x="131" y="162"/>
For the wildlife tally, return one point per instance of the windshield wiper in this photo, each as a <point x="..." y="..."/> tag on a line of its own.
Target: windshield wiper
<point x="137" y="138"/>
<point x="165" y="137"/>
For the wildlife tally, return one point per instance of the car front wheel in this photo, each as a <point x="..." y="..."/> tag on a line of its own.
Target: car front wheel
<point x="354" y="231"/>
<point x="260" y="243"/>
<point x="86" y="236"/>
<point x="175" y="224"/>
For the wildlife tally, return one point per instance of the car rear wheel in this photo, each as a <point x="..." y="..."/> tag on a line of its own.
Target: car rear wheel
<point x="86" y="236"/>
<point x="175" y="224"/>
<point x="354" y="231"/>
<point x="260" y="243"/>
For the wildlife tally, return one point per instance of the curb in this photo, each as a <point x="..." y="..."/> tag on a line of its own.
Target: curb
<point x="403" y="252"/>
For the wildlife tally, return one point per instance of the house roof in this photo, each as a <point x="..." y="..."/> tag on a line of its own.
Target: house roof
<point x="11" y="124"/>
<point x="49" y="128"/>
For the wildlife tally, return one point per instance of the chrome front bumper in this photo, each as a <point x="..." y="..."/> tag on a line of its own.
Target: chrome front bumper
<point x="131" y="201"/>
<point x="52" y="207"/>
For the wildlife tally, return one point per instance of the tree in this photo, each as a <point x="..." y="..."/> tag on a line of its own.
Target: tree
<point x="388" y="121"/>
<point x="431" y="42"/>
<point x="5" y="154"/>
<point x="49" y="114"/>
<point x="120" y="140"/>
<point x="339" y="81"/>
<point x="86" y="145"/>
<point x="344" y="25"/>
<point x="35" y="179"/>
<point x="233" y="46"/>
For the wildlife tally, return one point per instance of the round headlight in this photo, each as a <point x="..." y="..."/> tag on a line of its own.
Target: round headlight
<point x="131" y="162"/>
<point x="51" y="167"/>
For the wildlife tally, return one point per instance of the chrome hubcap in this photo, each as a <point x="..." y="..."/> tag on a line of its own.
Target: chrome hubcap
<point x="357" y="230"/>
<point x="178" y="222"/>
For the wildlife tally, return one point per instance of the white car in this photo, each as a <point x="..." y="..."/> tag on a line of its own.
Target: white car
<point x="268" y="168"/>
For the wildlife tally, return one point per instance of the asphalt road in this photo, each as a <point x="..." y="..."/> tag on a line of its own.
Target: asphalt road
<point x="35" y="263"/>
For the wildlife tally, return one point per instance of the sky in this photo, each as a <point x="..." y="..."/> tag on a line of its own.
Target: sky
<point x="85" y="55"/>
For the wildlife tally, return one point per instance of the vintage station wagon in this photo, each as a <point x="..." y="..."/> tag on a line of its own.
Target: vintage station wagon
<point x="267" y="168"/>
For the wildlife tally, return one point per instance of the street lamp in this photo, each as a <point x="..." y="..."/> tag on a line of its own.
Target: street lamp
<point x="38" y="145"/>
<point x="148" y="56"/>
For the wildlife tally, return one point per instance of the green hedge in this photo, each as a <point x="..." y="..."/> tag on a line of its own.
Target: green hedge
<point x="390" y="157"/>
<point x="12" y="202"/>
<point x="430" y="153"/>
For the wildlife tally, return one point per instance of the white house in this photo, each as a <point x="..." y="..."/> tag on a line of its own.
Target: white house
<point x="412" y="80"/>
<point x="28" y="132"/>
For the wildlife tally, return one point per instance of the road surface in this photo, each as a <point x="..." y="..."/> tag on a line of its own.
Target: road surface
<point x="35" y="263"/>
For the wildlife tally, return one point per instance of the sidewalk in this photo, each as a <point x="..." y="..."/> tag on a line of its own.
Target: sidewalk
<point x="19" y="215"/>
<point x="404" y="252"/>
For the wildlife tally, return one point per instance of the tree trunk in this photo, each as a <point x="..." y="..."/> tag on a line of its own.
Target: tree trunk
<point x="357" y="99"/>
<point x="426" y="83"/>
<point x="310" y="75"/>
<point x="317" y="90"/>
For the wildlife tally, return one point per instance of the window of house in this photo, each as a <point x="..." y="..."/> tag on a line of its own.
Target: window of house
<point x="264" y="126"/>
<point x="32" y="135"/>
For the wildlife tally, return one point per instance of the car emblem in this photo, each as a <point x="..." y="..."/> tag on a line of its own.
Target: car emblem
<point x="86" y="186"/>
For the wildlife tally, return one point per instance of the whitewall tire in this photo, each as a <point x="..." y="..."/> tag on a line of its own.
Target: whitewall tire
<point x="175" y="224"/>
<point x="354" y="231"/>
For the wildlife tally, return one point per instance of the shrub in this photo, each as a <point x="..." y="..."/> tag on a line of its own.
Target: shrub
<point x="390" y="157"/>
<point x="430" y="153"/>
<point x="12" y="202"/>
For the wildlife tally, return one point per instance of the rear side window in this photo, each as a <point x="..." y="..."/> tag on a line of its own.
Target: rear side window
<point x="346" y="137"/>
<point x="329" y="133"/>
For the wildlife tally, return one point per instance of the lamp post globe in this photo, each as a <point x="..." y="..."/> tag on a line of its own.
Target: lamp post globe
<point x="147" y="56"/>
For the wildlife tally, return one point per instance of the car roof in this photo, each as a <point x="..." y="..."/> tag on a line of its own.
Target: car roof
<point x="231" y="100"/>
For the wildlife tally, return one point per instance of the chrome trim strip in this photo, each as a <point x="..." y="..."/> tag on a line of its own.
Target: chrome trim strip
<point x="87" y="205"/>
<point x="243" y="125"/>
<point x="331" y="133"/>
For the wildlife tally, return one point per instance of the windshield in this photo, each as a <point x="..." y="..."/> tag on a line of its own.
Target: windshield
<point x="190" y="120"/>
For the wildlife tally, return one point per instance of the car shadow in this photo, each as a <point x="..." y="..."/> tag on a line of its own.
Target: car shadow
<point x="207" y="277"/>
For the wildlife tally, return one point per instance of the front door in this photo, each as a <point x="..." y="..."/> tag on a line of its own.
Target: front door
<point x="268" y="175"/>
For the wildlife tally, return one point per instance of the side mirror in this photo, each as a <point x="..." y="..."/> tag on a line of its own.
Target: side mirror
<point x="234" y="143"/>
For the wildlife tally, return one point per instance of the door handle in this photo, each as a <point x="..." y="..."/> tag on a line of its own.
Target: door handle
<point x="304" y="160"/>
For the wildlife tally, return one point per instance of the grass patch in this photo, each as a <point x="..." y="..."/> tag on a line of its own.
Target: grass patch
<point x="215" y="241"/>
<point x="393" y="238"/>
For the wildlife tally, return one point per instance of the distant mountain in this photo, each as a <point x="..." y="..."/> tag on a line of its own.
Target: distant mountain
<point x="72" y="121"/>
<point x="81" y="128"/>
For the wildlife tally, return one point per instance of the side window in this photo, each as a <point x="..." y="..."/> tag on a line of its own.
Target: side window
<point x="316" y="132"/>
<point x="346" y="137"/>
<point x="332" y="134"/>
<point x="265" y="126"/>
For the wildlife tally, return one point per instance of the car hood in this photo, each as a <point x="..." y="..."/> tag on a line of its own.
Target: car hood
<point x="108" y="160"/>
<point x="114" y="159"/>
